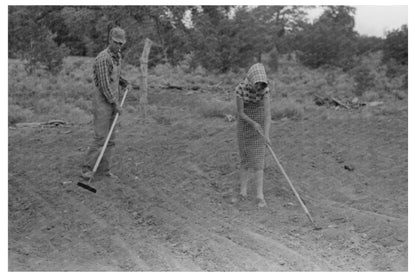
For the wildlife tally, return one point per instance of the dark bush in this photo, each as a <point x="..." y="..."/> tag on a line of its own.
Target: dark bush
<point x="46" y="53"/>
<point x="363" y="79"/>
<point x="396" y="46"/>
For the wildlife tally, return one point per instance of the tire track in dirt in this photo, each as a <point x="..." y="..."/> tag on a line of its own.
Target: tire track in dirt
<point x="168" y="180"/>
<point x="236" y="230"/>
<point x="352" y="249"/>
<point x="91" y="224"/>
<point x="195" y="216"/>
<point x="167" y="220"/>
<point x="138" y="244"/>
<point x="207" y="190"/>
<point x="56" y="203"/>
<point x="169" y="211"/>
<point x="126" y="255"/>
<point x="137" y="239"/>
<point x="353" y="210"/>
<point x="150" y="197"/>
<point x="98" y="245"/>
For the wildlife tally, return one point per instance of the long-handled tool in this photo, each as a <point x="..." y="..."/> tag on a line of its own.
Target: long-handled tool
<point x="97" y="163"/>
<point x="290" y="183"/>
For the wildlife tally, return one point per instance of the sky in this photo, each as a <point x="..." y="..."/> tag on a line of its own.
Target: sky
<point x="375" y="20"/>
<point x="372" y="20"/>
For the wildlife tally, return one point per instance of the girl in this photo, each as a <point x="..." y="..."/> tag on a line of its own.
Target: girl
<point x="253" y="111"/>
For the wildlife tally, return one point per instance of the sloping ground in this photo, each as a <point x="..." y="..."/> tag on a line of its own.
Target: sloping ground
<point x="171" y="211"/>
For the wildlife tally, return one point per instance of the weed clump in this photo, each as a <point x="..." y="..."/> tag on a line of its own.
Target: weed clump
<point x="286" y="108"/>
<point x="215" y="108"/>
<point x="18" y="114"/>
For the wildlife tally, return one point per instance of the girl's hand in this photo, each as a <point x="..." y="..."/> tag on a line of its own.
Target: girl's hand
<point x="258" y="128"/>
<point x="267" y="140"/>
<point x="267" y="135"/>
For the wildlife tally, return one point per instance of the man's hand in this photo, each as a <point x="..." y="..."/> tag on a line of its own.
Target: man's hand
<point x="117" y="108"/>
<point x="123" y="82"/>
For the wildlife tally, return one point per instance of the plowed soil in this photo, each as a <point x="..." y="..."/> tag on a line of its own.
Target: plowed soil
<point x="170" y="209"/>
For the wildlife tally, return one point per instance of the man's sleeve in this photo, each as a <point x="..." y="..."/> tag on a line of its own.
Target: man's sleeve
<point x="101" y="71"/>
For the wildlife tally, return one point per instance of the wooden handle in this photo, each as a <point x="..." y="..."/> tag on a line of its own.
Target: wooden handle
<point x="291" y="185"/>
<point x="288" y="180"/>
<point x="97" y="163"/>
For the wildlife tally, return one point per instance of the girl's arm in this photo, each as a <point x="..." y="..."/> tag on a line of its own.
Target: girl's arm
<point x="267" y="115"/>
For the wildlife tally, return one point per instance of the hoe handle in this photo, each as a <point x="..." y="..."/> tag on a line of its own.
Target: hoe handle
<point x="291" y="185"/>
<point x="288" y="180"/>
<point x="109" y="135"/>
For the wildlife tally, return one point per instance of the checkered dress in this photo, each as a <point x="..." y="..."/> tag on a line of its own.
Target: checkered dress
<point x="250" y="143"/>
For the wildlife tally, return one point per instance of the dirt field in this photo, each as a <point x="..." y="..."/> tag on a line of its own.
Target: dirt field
<point x="171" y="208"/>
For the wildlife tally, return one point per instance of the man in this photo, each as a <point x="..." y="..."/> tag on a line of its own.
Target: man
<point x="106" y="103"/>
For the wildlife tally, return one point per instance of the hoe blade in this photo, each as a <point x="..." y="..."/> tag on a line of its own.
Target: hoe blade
<point x="87" y="187"/>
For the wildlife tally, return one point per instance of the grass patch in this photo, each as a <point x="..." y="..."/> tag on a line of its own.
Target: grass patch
<point x="286" y="108"/>
<point x="68" y="95"/>
<point x="18" y="114"/>
<point x="215" y="108"/>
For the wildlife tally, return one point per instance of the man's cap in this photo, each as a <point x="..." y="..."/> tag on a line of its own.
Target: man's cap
<point x="118" y="34"/>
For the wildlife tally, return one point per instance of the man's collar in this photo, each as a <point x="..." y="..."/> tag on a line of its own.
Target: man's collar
<point x="112" y="54"/>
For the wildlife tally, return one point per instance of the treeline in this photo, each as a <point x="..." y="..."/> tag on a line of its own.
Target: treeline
<point x="218" y="38"/>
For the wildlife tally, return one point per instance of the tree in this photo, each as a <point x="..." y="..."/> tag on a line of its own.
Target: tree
<point x="162" y="24"/>
<point x="214" y="38"/>
<point x="278" y="21"/>
<point x="82" y="29"/>
<point x="223" y="41"/>
<point x="31" y="39"/>
<point x="395" y="54"/>
<point x="396" y="46"/>
<point x="330" y="40"/>
<point x="368" y="44"/>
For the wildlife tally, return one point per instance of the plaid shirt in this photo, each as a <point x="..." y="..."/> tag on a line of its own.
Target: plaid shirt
<point x="102" y="70"/>
<point x="246" y="90"/>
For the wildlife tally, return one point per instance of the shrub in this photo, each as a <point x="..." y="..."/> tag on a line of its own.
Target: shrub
<point x="162" y="70"/>
<point x="83" y="104"/>
<point x="370" y="96"/>
<point x="405" y="84"/>
<point x="395" y="69"/>
<point x="18" y="114"/>
<point x="286" y="108"/>
<point x="363" y="79"/>
<point x="396" y="46"/>
<point x="46" y="52"/>
<point x="215" y="108"/>
<point x="130" y="109"/>
<point x="45" y="105"/>
<point x="76" y="115"/>
<point x="200" y="71"/>
<point x="344" y="84"/>
<point x="68" y="112"/>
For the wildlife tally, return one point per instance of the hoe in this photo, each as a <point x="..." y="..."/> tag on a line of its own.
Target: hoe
<point x="291" y="185"/>
<point x="97" y="163"/>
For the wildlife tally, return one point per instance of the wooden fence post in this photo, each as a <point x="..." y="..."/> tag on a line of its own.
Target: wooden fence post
<point x="143" y="68"/>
